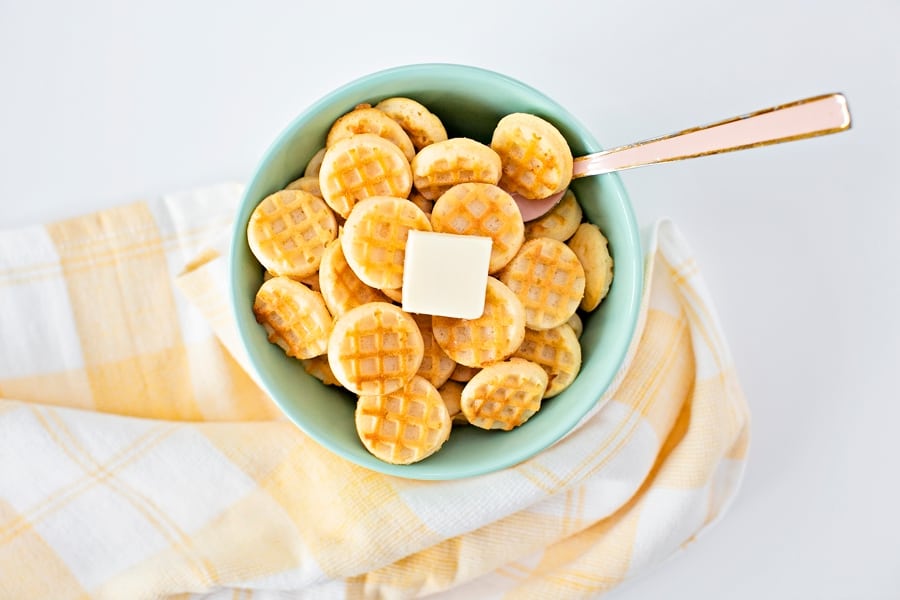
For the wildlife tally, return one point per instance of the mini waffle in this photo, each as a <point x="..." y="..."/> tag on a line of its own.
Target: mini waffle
<point x="422" y="126"/>
<point x="436" y="365"/>
<point x="341" y="288"/>
<point x="362" y="166"/>
<point x="575" y="323"/>
<point x="558" y="224"/>
<point x="314" y="164"/>
<point x="548" y="279"/>
<point x="294" y="317"/>
<point x="288" y="231"/>
<point x="493" y="336"/>
<point x="440" y="166"/>
<point x="307" y="183"/>
<point x="374" y="239"/>
<point x="310" y="281"/>
<point x="451" y="393"/>
<point x="462" y="373"/>
<point x="318" y="367"/>
<point x="485" y="210"/>
<point x="537" y="161"/>
<point x="504" y="395"/>
<point x="395" y="294"/>
<point x="556" y="350"/>
<point x="403" y="426"/>
<point x="374" y="121"/>
<point x="592" y="249"/>
<point x="375" y="349"/>
<point x="424" y="204"/>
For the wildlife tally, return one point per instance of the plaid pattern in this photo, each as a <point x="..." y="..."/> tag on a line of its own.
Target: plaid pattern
<point x="139" y="460"/>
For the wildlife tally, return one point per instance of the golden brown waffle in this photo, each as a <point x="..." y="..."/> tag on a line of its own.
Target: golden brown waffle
<point x="307" y="183"/>
<point x="558" y="224"/>
<point x="375" y="348"/>
<point x="294" y="316"/>
<point x="504" y="395"/>
<point x="424" y="204"/>
<point x="395" y="295"/>
<point x="451" y="394"/>
<point x="462" y="373"/>
<point x="548" y="279"/>
<point x="318" y="367"/>
<point x="341" y="288"/>
<point x="374" y="239"/>
<point x="310" y="281"/>
<point x="592" y="249"/>
<point x="493" y="336"/>
<point x="362" y="166"/>
<point x="537" y="161"/>
<point x="423" y="127"/>
<point x="374" y="121"/>
<point x="288" y="231"/>
<point x="485" y="210"/>
<point x="575" y="323"/>
<point x="440" y="166"/>
<point x="404" y="426"/>
<point x="556" y="350"/>
<point x="436" y="365"/>
<point x="314" y="164"/>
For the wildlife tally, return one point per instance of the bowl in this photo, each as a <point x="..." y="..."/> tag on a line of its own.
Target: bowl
<point x="469" y="101"/>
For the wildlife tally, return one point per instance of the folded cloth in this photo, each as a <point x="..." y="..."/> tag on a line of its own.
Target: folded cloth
<point x="138" y="459"/>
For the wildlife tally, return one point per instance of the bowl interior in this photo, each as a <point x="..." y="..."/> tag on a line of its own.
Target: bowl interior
<point x="469" y="101"/>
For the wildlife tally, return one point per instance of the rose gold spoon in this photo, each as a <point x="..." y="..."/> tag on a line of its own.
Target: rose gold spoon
<point x="811" y="117"/>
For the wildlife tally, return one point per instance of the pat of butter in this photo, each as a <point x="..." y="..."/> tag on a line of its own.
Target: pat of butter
<point x="445" y="274"/>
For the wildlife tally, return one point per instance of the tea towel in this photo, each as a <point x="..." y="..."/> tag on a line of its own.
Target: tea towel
<point x="138" y="459"/>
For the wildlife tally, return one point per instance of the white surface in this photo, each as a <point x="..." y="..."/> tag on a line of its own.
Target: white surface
<point x="445" y="274"/>
<point x="103" y="102"/>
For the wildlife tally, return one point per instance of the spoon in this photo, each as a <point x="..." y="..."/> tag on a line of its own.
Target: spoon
<point x="810" y="117"/>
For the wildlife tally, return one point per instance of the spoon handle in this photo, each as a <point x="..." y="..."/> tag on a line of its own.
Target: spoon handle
<point x="798" y="120"/>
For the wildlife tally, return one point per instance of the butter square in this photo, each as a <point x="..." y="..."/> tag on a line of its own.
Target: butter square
<point x="445" y="274"/>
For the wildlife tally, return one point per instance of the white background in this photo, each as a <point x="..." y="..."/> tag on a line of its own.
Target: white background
<point x="106" y="102"/>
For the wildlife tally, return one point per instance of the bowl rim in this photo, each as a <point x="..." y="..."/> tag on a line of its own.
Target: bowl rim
<point x="509" y="459"/>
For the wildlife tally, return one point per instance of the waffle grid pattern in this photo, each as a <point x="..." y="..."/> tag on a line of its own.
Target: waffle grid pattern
<point x="288" y="232"/>
<point x="294" y="317"/>
<point x="370" y="120"/>
<point x="493" y="336"/>
<point x="341" y="288"/>
<point x="375" y="349"/>
<point x="501" y="400"/>
<point x="549" y="280"/>
<point x="404" y="426"/>
<point x="423" y="127"/>
<point x="558" y="224"/>
<point x="440" y="166"/>
<point x="557" y="351"/>
<point x="485" y="210"/>
<point x="374" y="240"/>
<point x="360" y="167"/>
<point x="534" y="160"/>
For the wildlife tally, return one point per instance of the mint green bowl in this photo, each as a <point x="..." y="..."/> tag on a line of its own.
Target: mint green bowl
<point x="469" y="101"/>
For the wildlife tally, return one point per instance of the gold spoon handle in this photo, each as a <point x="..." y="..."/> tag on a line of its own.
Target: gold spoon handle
<point x="798" y="120"/>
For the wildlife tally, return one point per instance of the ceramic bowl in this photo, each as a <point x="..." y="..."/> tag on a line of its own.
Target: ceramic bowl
<point x="469" y="101"/>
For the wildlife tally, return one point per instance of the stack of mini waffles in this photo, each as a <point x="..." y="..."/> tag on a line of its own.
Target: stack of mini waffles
<point x="333" y="245"/>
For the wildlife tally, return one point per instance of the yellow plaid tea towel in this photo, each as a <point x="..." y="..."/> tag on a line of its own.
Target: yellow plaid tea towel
<point x="139" y="460"/>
